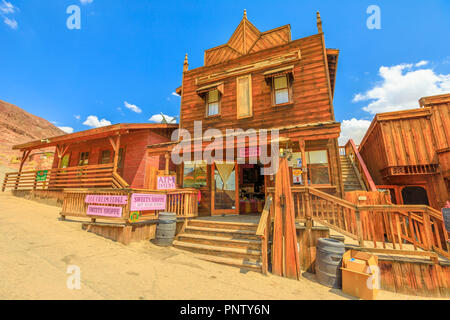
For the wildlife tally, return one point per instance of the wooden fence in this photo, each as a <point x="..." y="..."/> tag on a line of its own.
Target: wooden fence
<point x="181" y="201"/>
<point x="390" y="227"/>
<point x="99" y="176"/>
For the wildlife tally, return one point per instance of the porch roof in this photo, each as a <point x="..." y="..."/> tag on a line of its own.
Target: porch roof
<point x="96" y="133"/>
<point x="308" y="131"/>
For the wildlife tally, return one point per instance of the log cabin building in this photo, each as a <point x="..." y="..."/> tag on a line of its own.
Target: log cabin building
<point x="408" y="152"/>
<point x="261" y="80"/>
<point x="111" y="156"/>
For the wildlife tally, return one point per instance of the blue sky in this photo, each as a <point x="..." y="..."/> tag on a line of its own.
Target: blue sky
<point x="131" y="53"/>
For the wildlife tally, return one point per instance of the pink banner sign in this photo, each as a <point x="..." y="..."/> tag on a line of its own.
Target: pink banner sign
<point x="103" y="211"/>
<point x="105" y="199"/>
<point x="166" y="183"/>
<point x="143" y="202"/>
<point x="249" y="152"/>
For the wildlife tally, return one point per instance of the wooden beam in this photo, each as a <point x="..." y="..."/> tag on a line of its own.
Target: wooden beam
<point x="116" y="147"/>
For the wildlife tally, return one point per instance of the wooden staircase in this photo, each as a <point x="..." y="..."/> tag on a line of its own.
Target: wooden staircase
<point x="350" y="176"/>
<point x="229" y="243"/>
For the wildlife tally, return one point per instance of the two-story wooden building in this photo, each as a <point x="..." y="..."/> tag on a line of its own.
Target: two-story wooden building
<point x="408" y="152"/>
<point x="261" y="81"/>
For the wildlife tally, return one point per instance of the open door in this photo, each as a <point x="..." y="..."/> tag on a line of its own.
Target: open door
<point x="225" y="192"/>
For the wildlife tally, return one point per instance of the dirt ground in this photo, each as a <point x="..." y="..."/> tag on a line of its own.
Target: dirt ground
<point x="37" y="249"/>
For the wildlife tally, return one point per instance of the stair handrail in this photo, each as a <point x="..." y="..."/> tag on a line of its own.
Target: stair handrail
<point x="263" y="230"/>
<point x="367" y="178"/>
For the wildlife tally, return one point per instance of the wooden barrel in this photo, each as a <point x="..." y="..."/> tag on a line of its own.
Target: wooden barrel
<point x="165" y="230"/>
<point x="329" y="261"/>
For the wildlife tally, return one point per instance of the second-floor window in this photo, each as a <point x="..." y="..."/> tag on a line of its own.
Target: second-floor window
<point x="281" y="90"/>
<point x="212" y="102"/>
<point x="244" y="96"/>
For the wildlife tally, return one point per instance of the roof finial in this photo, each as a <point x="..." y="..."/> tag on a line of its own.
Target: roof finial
<point x="186" y="63"/>
<point x="245" y="13"/>
<point x="319" y="22"/>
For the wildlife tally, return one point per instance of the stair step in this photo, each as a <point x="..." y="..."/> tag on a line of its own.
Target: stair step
<point x="220" y="241"/>
<point x="236" y="253"/>
<point x="225" y="233"/>
<point x="239" y="263"/>
<point x="223" y="225"/>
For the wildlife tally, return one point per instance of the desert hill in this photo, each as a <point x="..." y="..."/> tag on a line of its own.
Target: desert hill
<point x="18" y="126"/>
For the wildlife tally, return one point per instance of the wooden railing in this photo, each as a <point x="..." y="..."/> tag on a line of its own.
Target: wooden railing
<point x="98" y="176"/>
<point x="410" y="170"/>
<point x="351" y="151"/>
<point x="181" y="201"/>
<point x="264" y="231"/>
<point x="390" y="227"/>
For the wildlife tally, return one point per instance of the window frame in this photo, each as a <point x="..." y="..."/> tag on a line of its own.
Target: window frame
<point x="80" y="164"/>
<point x="289" y="88"/>
<point x="111" y="156"/>
<point x="250" y="93"/>
<point x="319" y="165"/>
<point x="219" y="100"/>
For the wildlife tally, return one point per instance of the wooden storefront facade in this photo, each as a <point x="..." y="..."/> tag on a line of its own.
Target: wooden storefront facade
<point x="408" y="152"/>
<point x="259" y="81"/>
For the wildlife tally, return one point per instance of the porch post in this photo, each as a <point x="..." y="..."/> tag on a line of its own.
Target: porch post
<point x="167" y="157"/>
<point x="116" y="147"/>
<point x="304" y="166"/>
<point x="25" y="155"/>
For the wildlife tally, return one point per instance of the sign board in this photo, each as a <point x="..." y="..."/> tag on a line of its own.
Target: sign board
<point x="106" y="199"/>
<point x="297" y="176"/>
<point x="143" y="202"/>
<point x="166" y="183"/>
<point x="41" y="175"/>
<point x="104" y="211"/>
<point x="249" y="152"/>
<point x="446" y="215"/>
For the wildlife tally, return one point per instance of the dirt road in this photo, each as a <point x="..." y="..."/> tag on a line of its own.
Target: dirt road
<point x="37" y="249"/>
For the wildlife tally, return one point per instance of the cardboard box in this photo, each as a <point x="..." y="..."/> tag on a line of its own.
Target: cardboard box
<point x="357" y="281"/>
<point x="356" y="265"/>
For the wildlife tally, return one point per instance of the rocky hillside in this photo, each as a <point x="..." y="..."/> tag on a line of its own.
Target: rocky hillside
<point x="18" y="126"/>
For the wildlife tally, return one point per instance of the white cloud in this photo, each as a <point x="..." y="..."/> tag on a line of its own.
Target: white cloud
<point x="77" y="116"/>
<point x="67" y="129"/>
<point x="12" y="23"/>
<point x="132" y="107"/>
<point x="92" y="121"/>
<point x="158" y="118"/>
<point x="7" y="7"/>
<point x="353" y="129"/>
<point x="421" y="63"/>
<point x="86" y="1"/>
<point x="402" y="86"/>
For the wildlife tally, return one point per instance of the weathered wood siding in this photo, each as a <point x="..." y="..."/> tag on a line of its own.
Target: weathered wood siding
<point x="311" y="90"/>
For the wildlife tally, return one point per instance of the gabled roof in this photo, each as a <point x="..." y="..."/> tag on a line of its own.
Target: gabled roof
<point x="96" y="133"/>
<point x="247" y="39"/>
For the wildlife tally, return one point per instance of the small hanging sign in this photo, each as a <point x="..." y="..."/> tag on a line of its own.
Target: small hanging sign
<point x="41" y="175"/>
<point x="134" y="216"/>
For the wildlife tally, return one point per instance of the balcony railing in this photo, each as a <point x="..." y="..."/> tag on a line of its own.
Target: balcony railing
<point x="92" y="176"/>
